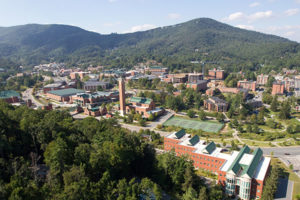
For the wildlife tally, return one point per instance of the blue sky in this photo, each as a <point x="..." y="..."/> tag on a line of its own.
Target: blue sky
<point x="279" y="17"/>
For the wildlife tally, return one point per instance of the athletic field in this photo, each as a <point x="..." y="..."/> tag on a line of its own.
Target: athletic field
<point x="194" y="124"/>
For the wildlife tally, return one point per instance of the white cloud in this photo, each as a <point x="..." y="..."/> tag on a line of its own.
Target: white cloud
<point x="235" y="16"/>
<point x="290" y="33"/>
<point x="174" y="16"/>
<point x="260" y="15"/>
<point x="254" y="4"/>
<point x="243" y="26"/>
<point x="291" y="12"/>
<point x="143" y="27"/>
<point x="250" y="18"/>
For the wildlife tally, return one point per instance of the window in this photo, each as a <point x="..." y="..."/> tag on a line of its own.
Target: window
<point x="258" y="191"/>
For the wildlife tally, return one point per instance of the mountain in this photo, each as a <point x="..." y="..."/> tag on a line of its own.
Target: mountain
<point x="198" y="39"/>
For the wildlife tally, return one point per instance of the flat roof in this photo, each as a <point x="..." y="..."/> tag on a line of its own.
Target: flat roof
<point x="66" y="92"/>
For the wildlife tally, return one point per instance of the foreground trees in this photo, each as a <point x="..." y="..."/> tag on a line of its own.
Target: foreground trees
<point x="48" y="155"/>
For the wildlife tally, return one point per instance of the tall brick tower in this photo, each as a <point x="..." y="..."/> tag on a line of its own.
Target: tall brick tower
<point x="122" y="96"/>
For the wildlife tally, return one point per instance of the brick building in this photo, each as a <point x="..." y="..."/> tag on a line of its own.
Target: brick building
<point x="262" y="79"/>
<point x="96" y="98"/>
<point x="143" y="106"/>
<point x="215" y="104"/>
<point x="95" y="111"/>
<point x="241" y="173"/>
<point x="234" y="91"/>
<point x="122" y="97"/>
<point x="10" y="96"/>
<point x="94" y="85"/>
<point x="63" y="95"/>
<point x="157" y="70"/>
<point x="195" y="77"/>
<point x="278" y="88"/>
<point x="216" y="74"/>
<point x="81" y="75"/>
<point x="200" y="85"/>
<point x="250" y="85"/>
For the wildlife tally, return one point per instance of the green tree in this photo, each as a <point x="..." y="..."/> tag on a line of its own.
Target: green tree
<point x="191" y="113"/>
<point x="274" y="104"/>
<point x="202" y="115"/>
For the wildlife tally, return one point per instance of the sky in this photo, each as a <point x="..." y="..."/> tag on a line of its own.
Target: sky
<point x="278" y="17"/>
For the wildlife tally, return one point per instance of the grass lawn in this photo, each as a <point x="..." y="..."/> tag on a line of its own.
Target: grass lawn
<point x="213" y="127"/>
<point x="292" y="176"/>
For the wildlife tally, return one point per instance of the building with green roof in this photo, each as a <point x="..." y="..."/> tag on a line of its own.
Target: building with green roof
<point x="143" y="106"/>
<point x="10" y="96"/>
<point x="63" y="95"/>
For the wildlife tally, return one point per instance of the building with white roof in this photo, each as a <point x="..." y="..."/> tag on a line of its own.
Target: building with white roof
<point x="242" y="173"/>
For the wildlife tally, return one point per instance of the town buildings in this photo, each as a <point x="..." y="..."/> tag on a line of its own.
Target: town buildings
<point x="242" y="173"/>
<point x="10" y="96"/>
<point x="262" y="79"/>
<point x="250" y="85"/>
<point x="215" y="104"/>
<point x="278" y="88"/>
<point x="195" y="77"/>
<point x="157" y="70"/>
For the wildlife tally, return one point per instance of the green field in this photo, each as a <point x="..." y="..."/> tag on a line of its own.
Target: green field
<point x="212" y="127"/>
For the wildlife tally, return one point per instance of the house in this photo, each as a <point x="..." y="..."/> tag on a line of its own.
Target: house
<point x="215" y="104"/>
<point x="63" y="95"/>
<point x="10" y="96"/>
<point x="143" y="106"/>
<point x="242" y="173"/>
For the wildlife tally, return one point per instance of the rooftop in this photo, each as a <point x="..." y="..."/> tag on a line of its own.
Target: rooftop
<point x="141" y="100"/>
<point x="66" y="92"/>
<point x="8" y="94"/>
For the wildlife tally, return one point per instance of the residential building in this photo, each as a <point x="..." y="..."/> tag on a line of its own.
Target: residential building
<point x="10" y="96"/>
<point x="215" y="104"/>
<point x="63" y="95"/>
<point x="94" y="85"/>
<point x="278" y="88"/>
<point x="250" y="85"/>
<point x="143" y="106"/>
<point x="200" y="85"/>
<point x="242" y="173"/>
<point x="262" y="79"/>
<point x="216" y="74"/>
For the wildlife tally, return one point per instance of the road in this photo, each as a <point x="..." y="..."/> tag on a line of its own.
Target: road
<point x="27" y="94"/>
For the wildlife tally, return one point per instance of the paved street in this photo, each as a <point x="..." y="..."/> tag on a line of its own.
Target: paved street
<point x="27" y="94"/>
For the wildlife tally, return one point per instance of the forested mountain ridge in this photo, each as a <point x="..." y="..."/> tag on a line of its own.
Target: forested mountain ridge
<point x="198" y="39"/>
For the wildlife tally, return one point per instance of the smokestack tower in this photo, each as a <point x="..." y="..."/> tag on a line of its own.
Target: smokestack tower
<point x="122" y="97"/>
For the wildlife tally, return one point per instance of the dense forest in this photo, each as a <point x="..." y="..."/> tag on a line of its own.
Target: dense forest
<point x="174" y="46"/>
<point x="48" y="155"/>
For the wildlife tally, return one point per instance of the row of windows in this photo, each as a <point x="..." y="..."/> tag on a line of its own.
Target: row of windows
<point x="207" y="164"/>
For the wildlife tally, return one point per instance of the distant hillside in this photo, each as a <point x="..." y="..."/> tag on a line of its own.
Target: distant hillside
<point x="175" y="46"/>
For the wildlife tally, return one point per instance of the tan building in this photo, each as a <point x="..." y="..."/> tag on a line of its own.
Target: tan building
<point x="216" y="74"/>
<point x="216" y="104"/>
<point x="250" y="85"/>
<point x="262" y="79"/>
<point x="200" y="85"/>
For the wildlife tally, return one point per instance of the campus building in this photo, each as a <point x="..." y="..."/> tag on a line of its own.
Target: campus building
<point x="63" y="95"/>
<point x="157" y="70"/>
<point x="216" y="74"/>
<point x="278" y="88"/>
<point x="95" y="85"/>
<point x="195" y="77"/>
<point x="96" y="98"/>
<point x="143" y="106"/>
<point x="215" y="104"/>
<point x="250" y="85"/>
<point x="262" y="79"/>
<point x="242" y="173"/>
<point x="10" y="96"/>
<point x="200" y="85"/>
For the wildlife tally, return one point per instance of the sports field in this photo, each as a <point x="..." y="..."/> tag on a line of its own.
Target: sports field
<point x="194" y="124"/>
